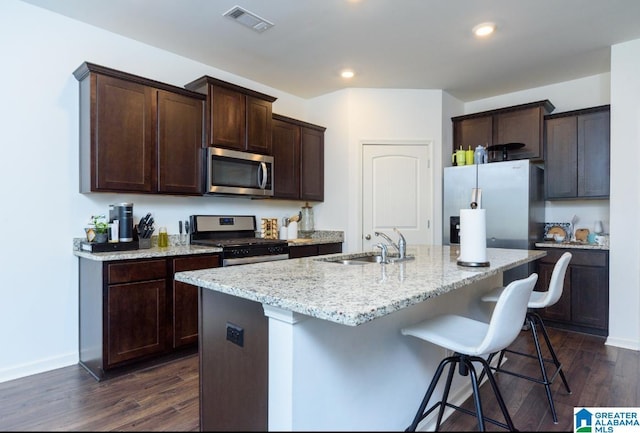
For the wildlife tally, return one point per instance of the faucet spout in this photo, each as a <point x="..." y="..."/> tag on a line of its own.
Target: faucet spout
<point x="389" y="241"/>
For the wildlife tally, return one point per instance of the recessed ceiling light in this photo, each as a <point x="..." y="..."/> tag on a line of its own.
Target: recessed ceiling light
<point x="347" y="73"/>
<point x="484" y="29"/>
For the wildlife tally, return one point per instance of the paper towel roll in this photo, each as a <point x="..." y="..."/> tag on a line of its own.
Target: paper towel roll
<point x="473" y="237"/>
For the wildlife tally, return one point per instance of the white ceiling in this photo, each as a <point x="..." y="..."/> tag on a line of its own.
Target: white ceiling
<point x="413" y="44"/>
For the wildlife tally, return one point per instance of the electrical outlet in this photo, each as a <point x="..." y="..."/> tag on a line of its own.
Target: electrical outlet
<point x="235" y="334"/>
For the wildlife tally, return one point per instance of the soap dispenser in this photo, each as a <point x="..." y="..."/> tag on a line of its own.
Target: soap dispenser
<point x="306" y="223"/>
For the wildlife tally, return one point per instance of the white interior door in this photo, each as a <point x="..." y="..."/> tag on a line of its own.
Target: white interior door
<point x="396" y="192"/>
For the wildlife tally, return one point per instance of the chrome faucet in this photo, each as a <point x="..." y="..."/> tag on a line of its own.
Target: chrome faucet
<point x="383" y="252"/>
<point x="400" y="247"/>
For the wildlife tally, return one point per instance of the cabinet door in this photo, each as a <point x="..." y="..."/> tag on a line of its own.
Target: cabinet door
<point x="469" y="133"/>
<point x="521" y="126"/>
<point x="590" y="296"/>
<point x="561" y="165"/>
<point x="286" y="155"/>
<point x="593" y="154"/>
<point x="259" y="125"/>
<point x="228" y="118"/>
<point x="311" y="164"/>
<point x="180" y="155"/>
<point x="135" y="320"/>
<point x="122" y="136"/>
<point x="297" y="252"/>
<point x="185" y="299"/>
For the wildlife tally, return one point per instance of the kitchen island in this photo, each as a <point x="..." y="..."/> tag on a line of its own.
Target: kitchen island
<point x="308" y="344"/>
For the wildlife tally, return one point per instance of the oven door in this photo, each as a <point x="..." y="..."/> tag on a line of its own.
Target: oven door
<point x="239" y="173"/>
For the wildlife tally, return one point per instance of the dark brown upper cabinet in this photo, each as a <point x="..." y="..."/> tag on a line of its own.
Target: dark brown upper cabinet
<point x="517" y="124"/>
<point x="138" y="135"/>
<point x="577" y="147"/>
<point x="298" y="151"/>
<point x="237" y="118"/>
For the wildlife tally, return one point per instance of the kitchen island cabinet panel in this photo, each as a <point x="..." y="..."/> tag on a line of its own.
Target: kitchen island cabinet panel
<point x="236" y="388"/>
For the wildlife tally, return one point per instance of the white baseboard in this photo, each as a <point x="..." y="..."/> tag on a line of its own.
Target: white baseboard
<point x="623" y="343"/>
<point x="16" y="372"/>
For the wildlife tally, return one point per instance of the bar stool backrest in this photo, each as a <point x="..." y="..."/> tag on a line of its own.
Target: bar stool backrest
<point x="556" y="283"/>
<point x="508" y="315"/>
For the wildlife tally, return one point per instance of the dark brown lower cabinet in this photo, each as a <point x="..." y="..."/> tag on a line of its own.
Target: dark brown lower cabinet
<point x="584" y="305"/>
<point x="132" y="312"/>
<point x="297" y="251"/>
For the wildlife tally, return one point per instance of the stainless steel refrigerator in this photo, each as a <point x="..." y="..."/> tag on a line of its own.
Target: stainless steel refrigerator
<point x="512" y="192"/>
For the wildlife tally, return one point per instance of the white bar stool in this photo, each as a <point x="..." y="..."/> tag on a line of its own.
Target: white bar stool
<point x="470" y="339"/>
<point x="533" y="319"/>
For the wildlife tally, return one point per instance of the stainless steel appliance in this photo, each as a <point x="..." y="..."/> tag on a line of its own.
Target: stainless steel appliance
<point x="236" y="235"/>
<point x="238" y="173"/>
<point x="123" y="213"/>
<point x="513" y="196"/>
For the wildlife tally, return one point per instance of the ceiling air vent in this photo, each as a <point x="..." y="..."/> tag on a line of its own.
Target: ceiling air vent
<point x="248" y="19"/>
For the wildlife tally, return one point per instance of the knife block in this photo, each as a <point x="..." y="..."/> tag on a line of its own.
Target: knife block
<point x="144" y="243"/>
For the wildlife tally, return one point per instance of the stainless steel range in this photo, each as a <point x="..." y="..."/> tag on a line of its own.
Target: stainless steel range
<point x="236" y="235"/>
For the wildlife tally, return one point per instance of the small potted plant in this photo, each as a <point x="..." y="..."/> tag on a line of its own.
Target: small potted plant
<point x="98" y="230"/>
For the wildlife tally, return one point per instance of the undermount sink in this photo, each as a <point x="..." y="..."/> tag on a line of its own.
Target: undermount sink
<point x="363" y="260"/>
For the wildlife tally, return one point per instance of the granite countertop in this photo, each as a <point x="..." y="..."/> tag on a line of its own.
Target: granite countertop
<point x="572" y="244"/>
<point x="353" y="294"/>
<point x="175" y="249"/>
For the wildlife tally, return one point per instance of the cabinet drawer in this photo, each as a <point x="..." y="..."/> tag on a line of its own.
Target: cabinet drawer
<point x="583" y="258"/>
<point x="193" y="263"/>
<point x="127" y="272"/>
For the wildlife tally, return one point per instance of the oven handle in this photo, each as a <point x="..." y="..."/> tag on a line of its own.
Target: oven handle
<point x="262" y="175"/>
<point x="254" y="259"/>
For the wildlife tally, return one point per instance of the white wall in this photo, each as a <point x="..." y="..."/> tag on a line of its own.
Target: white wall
<point x="39" y="168"/>
<point x="375" y="115"/>
<point x="624" y="303"/>
<point x="42" y="209"/>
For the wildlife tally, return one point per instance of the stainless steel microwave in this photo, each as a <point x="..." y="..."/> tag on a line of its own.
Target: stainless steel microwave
<point x="239" y="173"/>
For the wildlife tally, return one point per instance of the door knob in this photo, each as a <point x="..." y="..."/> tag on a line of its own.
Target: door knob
<point x="368" y="237"/>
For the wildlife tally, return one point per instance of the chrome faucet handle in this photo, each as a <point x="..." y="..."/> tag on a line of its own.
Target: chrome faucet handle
<point x="402" y="244"/>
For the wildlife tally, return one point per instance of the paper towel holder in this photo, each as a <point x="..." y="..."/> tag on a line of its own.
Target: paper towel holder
<point x="474" y="264"/>
<point x="476" y="199"/>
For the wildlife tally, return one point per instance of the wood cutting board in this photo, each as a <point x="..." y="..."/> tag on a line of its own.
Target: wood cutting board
<point x="581" y="234"/>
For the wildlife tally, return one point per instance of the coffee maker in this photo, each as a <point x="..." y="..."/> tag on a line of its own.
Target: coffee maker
<point x="123" y="212"/>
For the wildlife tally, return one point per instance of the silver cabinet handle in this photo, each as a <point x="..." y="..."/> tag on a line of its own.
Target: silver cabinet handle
<point x="368" y="237"/>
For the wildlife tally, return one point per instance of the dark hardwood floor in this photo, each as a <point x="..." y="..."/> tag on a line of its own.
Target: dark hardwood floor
<point x="165" y="397"/>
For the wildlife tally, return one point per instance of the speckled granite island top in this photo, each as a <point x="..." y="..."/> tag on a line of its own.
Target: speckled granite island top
<point x="353" y="294"/>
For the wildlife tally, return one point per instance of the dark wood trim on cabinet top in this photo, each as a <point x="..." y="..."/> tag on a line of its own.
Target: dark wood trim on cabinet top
<point x="549" y="107"/>
<point x="579" y="112"/>
<point x="200" y="85"/>
<point x="297" y="122"/>
<point x="84" y="69"/>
